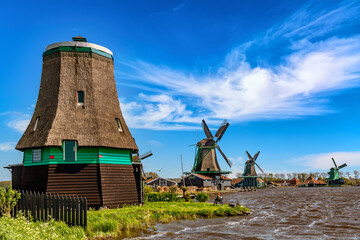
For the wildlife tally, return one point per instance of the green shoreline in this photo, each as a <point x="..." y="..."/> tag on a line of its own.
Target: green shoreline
<point x="110" y="223"/>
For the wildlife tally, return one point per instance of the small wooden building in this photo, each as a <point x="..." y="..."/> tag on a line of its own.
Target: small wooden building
<point x="311" y="182"/>
<point x="77" y="141"/>
<point x="295" y="182"/>
<point x="160" y="182"/>
<point x="200" y="181"/>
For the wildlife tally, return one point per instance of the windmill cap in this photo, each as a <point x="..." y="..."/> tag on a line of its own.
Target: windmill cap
<point x="78" y="42"/>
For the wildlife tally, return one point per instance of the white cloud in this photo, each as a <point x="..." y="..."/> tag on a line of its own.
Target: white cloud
<point x="237" y="167"/>
<point x="291" y="89"/>
<point x="7" y="146"/>
<point x="297" y="86"/>
<point x="157" y="112"/>
<point x="323" y="161"/>
<point x="19" y="124"/>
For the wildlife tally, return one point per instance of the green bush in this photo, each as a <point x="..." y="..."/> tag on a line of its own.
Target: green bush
<point x="161" y="197"/>
<point x="187" y="197"/>
<point x="202" y="197"/>
<point x="147" y="189"/>
<point x="173" y="189"/>
<point x="8" y="199"/>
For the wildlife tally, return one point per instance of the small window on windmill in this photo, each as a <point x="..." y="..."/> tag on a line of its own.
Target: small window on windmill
<point x="80" y="98"/>
<point x="36" y="124"/>
<point x="36" y="155"/>
<point x="118" y="123"/>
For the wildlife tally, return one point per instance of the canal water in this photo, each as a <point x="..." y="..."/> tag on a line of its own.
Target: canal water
<point x="279" y="213"/>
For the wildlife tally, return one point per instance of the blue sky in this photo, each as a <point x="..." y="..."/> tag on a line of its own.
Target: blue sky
<point x="285" y="74"/>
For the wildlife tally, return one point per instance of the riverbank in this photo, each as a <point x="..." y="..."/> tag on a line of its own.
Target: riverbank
<point x="123" y="221"/>
<point x="110" y="223"/>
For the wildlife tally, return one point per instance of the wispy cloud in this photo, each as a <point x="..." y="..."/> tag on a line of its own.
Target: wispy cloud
<point x="299" y="85"/>
<point x="7" y="146"/>
<point x="323" y="161"/>
<point x="237" y="167"/>
<point x="17" y="120"/>
<point x="157" y="112"/>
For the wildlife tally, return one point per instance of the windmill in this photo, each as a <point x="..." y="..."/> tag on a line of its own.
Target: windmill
<point x="334" y="178"/>
<point x="206" y="162"/>
<point x="249" y="176"/>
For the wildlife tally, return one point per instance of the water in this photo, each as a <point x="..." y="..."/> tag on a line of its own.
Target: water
<point x="280" y="213"/>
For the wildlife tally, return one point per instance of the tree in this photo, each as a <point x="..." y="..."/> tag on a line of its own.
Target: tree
<point x="289" y="176"/>
<point x="356" y="174"/>
<point x="238" y="175"/>
<point x="348" y="175"/>
<point x="150" y="175"/>
<point x="282" y="175"/>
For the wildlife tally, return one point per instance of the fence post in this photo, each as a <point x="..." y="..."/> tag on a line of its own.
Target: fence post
<point x="85" y="213"/>
<point x="73" y="214"/>
<point x="77" y="211"/>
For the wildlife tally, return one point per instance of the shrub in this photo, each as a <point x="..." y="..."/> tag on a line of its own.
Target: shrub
<point x="173" y="189"/>
<point x="147" y="189"/>
<point x="187" y="197"/>
<point x="161" y="197"/>
<point x="8" y="199"/>
<point x="202" y="197"/>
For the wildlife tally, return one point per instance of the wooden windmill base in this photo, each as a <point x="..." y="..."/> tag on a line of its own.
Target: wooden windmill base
<point x="104" y="185"/>
<point x="249" y="182"/>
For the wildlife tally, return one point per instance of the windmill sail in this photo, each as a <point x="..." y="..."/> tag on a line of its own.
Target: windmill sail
<point x="145" y="155"/>
<point x="206" y="129"/>
<point x="222" y="154"/>
<point x="220" y="132"/>
<point x="342" y="166"/>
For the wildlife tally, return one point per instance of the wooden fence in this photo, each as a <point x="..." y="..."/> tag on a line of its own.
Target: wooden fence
<point x="39" y="206"/>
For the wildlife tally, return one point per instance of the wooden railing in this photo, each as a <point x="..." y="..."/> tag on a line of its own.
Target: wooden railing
<point x="39" y="206"/>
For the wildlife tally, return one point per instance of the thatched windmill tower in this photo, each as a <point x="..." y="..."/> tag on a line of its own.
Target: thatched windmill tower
<point x="77" y="141"/>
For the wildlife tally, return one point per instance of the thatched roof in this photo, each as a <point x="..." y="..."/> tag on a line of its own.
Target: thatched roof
<point x="62" y="118"/>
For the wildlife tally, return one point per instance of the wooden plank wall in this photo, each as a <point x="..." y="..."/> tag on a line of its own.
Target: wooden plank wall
<point x="76" y="179"/>
<point x="119" y="186"/>
<point x="32" y="178"/>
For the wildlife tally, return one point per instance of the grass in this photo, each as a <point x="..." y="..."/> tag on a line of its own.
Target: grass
<point x="22" y="228"/>
<point x="110" y="223"/>
<point x="122" y="221"/>
<point x="5" y="184"/>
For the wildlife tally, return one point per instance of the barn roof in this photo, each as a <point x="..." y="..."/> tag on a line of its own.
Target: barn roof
<point x="154" y="179"/>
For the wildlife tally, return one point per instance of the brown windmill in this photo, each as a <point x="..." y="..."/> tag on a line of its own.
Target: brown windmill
<point x="206" y="162"/>
<point x="250" y="178"/>
<point x="77" y="141"/>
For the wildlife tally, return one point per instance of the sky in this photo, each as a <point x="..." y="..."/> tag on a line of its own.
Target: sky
<point x="284" y="74"/>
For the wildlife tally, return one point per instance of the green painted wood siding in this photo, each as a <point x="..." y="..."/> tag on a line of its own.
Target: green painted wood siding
<point x="85" y="155"/>
<point x="114" y="156"/>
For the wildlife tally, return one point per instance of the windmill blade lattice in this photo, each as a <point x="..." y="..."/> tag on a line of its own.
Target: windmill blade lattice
<point x="206" y="129"/>
<point x="224" y="156"/>
<point x="220" y="132"/>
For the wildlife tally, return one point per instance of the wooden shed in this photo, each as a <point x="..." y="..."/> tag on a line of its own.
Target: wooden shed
<point x="200" y="180"/>
<point x="77" y="141"/>
<point x="161" y="182"/>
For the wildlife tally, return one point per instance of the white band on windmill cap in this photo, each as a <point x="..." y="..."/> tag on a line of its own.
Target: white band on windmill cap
<point x="78" y="44"/>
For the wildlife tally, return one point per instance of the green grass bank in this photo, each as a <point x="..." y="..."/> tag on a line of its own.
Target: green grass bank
<point x="109" y="223"/>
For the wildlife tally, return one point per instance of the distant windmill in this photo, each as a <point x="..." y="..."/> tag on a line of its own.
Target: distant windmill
<point x="334" y="178"/>
<point x="205" y="157"/>
<point x="250" y="178"/>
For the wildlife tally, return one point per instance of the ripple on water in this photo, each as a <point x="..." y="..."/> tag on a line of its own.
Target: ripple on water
<point x="283" y="213"/>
